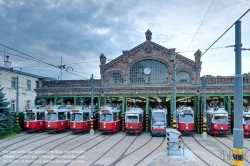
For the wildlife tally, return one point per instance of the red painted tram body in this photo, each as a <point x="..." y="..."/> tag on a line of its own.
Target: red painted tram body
<point x="34" y="119"/>
<point x="246" y="122"/>
<point x="185" y="120"/>
<point x="217" y="121"/>
<point x="110" y="121"/>
<point x="134" y="121"/>
<point x="57" y="118"/>
<point x="159" y="121"/>
<point x="80" y="120"/>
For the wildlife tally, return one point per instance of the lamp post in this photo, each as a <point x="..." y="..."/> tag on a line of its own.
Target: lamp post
<point x="92" y="98"/>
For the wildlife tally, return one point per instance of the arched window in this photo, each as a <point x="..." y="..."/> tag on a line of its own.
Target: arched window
<point x="183" y="77"/>
<point x="116" y="78"/>
<point x="148" y="72"/>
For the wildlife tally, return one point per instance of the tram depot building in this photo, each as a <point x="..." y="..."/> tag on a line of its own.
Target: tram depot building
<point x="145" y="74"/>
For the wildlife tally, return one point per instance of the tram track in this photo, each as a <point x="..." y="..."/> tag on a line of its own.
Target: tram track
<point x="54" y="148"/>
<point x="108" y="150"/>
<point x="88" y="149"/>
<point x="232" y="140"/>
<point x="114" y="163"/>
<point x="20" y="140"/>
<point x="37" y="148"/>
<point x="150" y="152"/>
<point x="73" y="148"/>
<point x="194" y="152"/>
<point x="7" y="139"/>
<point x="228" y="146"/>
<point x="210" y="151"/>
<point x="21" y="145"/>
<point x="124" y="156"/>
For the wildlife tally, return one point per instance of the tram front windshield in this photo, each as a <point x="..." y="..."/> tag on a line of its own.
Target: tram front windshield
<point x="30" y="116"/>
<point x="220" y="119"/>
<point x="247" y="120"/>
<point x="106" y="117"/>
<point x="186" y="118"/>
<point x="76" y="117"/>
<point x="51" y="117"/>
<point x="159" y="118"/>
<point x="130" y="118"/>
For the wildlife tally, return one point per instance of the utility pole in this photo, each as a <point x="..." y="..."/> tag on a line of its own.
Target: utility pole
<point x="204" y="126"/>
<point x="17" y="102"/>
<point x="92" y="98"/>
<point x="175" y="111"/>
<point x="238" y="150"/>
<point x="61" y="67"/>
<point x="17" y="96"/>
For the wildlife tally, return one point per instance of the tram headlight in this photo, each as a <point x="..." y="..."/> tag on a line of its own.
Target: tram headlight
<point x="74" y="126"/>
<point x="104" y="126"/>
<point x="27" y="125"/>
<point x="48" y="125"/>
<point x="186" y="127"/>
<point x="221" y="128"/>
<point x="131" y="127"/>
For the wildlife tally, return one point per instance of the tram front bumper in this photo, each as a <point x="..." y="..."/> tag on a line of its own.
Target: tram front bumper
<point x="30" y="129"/>
<point x="158" y="133"/>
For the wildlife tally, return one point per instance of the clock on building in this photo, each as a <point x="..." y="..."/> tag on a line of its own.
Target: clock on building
<point x="147" y="71"/>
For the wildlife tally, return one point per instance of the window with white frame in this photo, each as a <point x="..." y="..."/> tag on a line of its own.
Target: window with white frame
<point x="28" y="85"/>
<point x="28" y="102"/>
<point x="13" y="83"/>
<point x="13" y="105"/>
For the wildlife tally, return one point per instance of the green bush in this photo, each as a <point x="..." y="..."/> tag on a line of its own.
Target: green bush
<point x="16" y="128"/>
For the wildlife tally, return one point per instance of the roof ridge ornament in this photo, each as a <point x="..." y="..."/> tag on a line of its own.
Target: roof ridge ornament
<point x="148" y="34"/>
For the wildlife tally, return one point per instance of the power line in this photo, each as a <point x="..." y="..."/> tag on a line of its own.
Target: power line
<point x="38" y="60"/>
<point x="199" y="26"/>
<point x="226" y="31"/>
<point x="202" y="49"/>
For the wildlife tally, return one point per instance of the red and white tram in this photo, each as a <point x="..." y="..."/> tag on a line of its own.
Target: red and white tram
<point x="134" y="120"/>
<point x="246" y="122"/>
<point x="185" y="120"/>
<point x="81" y="119"/>
<point x="57" y="118"/>
<point x="159" y="121"/>
<point x="34" y="119"/>
<point x="110" y="121"/>
<point x="217" y="121"/>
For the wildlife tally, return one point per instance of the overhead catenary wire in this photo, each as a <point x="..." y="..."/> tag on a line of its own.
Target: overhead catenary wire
<point x="37" y="60"/>
<point x="226" y="31"/>
<point x="199" y="26"/>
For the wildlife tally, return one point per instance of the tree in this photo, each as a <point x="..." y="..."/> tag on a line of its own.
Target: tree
<point x="6" y="117"/>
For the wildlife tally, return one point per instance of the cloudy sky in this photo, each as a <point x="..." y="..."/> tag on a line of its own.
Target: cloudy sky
<point x="78" y="31"/>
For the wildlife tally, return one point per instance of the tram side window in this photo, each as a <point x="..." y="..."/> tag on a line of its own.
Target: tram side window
<point x="68" y="115"/>
<point x="114" y="116"/>
<point x="85" y="116"/>
<point x="40" y="115"/>
<point x="247" y="120"/>
<point x="140" y="118"/>
<point x="61" y="116"/>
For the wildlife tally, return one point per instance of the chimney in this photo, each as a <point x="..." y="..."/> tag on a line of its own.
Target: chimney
<point x="7" y="64"/>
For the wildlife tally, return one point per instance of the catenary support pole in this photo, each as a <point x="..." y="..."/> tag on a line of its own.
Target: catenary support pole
<point x="92" y="112"/>
<point x="174" y="112"/>
<point x="17" y="96"/>
<point x="238" y="96"/>
<point x="204" y="126"/>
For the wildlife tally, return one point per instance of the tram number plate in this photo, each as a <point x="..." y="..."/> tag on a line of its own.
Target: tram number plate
<point x="221" y="132"/>
<point x="131" y="131"/>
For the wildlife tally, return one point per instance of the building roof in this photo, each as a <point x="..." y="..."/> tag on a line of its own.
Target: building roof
<point x="22" y="73"/>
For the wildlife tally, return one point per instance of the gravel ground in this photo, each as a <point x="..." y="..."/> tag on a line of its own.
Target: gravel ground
<point x="163" y="159"/>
